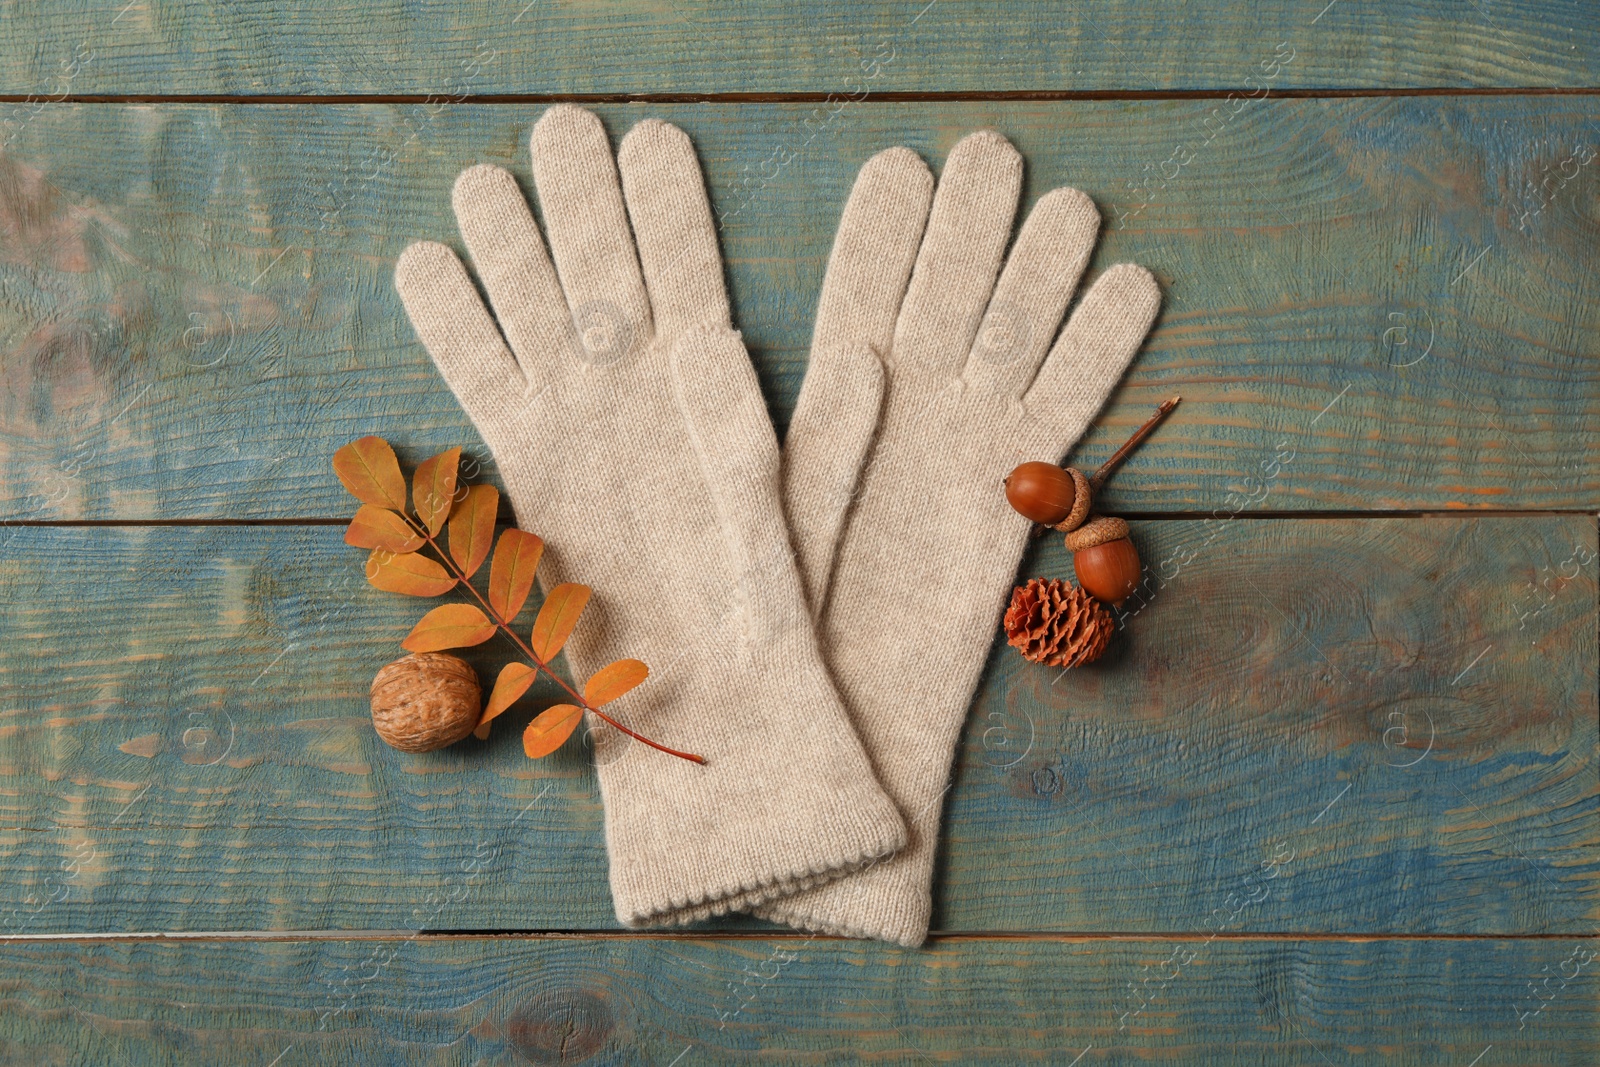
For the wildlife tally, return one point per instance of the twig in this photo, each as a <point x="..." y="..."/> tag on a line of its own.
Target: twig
<point x="422" y="530"/>
<point x="1098" y="478"/>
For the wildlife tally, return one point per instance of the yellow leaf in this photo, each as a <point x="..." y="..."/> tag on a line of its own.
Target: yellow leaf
<point x="558" y="616"/>
<point x="371" y="473"/>
<point x="472" y="528"/>
<point x="407" y="573"/>
<point x="614" y="679"/>
<point x="550" y="729"/>
<point x="511" y="573"/>
<point x="375" y="527"/>
<point x="514" y="680"/>
<point x="449" y="626"/>
<point x="433" y="488"/>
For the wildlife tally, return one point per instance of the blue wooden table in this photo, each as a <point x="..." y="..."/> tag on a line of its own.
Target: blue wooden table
<point x="1332" y="799"/>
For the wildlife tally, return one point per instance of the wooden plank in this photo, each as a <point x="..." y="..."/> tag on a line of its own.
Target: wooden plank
<point x="196" y="305"/>
<point x="629" y="1000"/>
<point x="1363" y="725"/>
<point x="560" y="46"/>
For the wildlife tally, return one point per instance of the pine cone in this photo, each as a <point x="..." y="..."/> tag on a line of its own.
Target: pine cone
<point x="1057" y="624"/>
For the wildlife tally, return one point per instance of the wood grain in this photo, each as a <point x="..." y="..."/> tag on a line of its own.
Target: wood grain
<point x="196" y="304"/>
<point x="1359" y="725"/>
<point x="627" y="46"/>
<point x="570" y="1001"/>
<point x="1308" y="729"/>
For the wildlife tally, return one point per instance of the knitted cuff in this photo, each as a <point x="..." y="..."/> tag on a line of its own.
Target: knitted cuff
<point x="733" y="876"/>
<point x="747" y="863"/>
<point x="875" y="903"/>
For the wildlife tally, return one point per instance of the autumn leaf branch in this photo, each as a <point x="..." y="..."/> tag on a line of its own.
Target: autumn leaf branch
<point x="369" y="469"/>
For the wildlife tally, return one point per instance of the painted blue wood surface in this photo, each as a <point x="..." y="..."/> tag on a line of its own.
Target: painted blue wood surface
<point x="675" y="1002"/>
<point x="1355" y="725"/>
<point x="761" y="46"/>
<point x="1363" y="732"/>
<point x="1380" y="287"/>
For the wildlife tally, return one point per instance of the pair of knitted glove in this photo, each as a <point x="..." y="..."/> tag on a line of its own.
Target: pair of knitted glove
<point x="815" y="620"/>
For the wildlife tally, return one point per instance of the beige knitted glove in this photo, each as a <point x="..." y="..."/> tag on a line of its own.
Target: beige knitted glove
<point x="625" y="417"/>
<point x="919" y="399"/>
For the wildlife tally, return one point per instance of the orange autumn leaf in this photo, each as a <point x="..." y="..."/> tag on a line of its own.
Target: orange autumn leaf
<point x="614" y="679"/>
<point x="472" y="528"/>
<point x="371" y="473"/>
<point x="433" y="488"/>
<point x="375" y="527"/>
<point x="550" y="729"/>
<point x="558" y="617"/>
<point x="449" y="626"/>
<point x="514" y="680"/>
<point x="407" y="573"/>
<point x="516" y="557"/>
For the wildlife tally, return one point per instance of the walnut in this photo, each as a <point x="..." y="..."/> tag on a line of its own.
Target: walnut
<point x="425" y="701"/>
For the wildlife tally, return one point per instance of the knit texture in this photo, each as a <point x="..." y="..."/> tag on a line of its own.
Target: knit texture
<point x="929" y="381"/>
<point x="629" y="430"/>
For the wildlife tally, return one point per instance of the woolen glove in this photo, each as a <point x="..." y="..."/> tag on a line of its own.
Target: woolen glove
<point x="630" y="432"/>
<point x="929" y="381"/>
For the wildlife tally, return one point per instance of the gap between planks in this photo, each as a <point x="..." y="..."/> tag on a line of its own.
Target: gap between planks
<point x="1139" y="516"/>
<point x="901" y="97"/>
<point x="952" y="937"/>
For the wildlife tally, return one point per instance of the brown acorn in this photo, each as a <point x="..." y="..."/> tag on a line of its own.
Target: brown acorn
<point x="1049" y="494"/>
<point x="1041" y="491"/>
<point x="1105" y="560"/>
<point x="1107" y="564"/>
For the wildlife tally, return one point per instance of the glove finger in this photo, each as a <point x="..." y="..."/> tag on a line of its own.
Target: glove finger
<point x="590" y="241"/>
<point x="968" y="228"/>
<point x="833" y="427"/>
<point x="873" y="253"/>
<point x="1100" y="339"/>
<point x="1034" y="289"/>
<point x="509" y="255"/>
<point x="456" y="329"/>
<point x="732" y="438"/>
<point x="841" y="399"/>
<point x="666" y="196"/>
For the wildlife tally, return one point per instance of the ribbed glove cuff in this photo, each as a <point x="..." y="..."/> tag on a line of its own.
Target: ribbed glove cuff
<point x="749" y="864"/>
<point x="873" y="904"/>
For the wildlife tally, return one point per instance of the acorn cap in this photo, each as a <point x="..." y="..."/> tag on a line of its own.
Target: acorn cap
<point x="1082" y="501"/>
<point x="1097" y="531"/>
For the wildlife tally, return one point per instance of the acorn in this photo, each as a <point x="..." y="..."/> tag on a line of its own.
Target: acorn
<point x="425" y="701"/>
<point x="1049" y="495"/>
<point x="1105" y="560"/>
